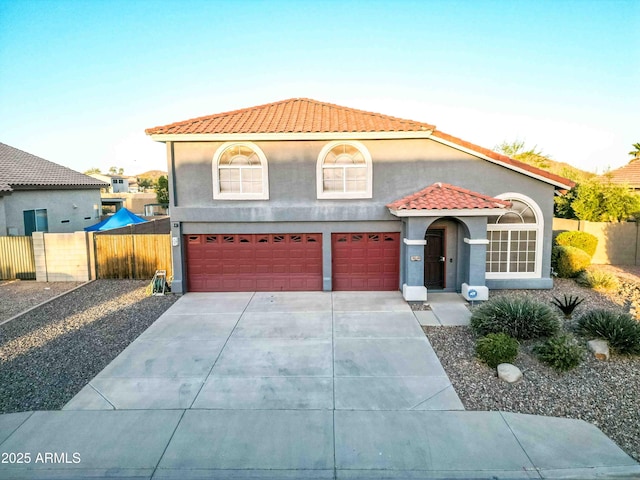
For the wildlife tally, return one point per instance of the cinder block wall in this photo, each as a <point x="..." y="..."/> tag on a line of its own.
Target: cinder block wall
<point x="62" y="257"/>
<point x="618" y="243"/>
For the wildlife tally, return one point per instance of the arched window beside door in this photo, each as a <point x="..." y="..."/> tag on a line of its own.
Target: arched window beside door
<point x="515" y="240"/>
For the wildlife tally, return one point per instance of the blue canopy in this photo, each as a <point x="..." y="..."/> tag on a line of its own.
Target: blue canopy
<point x="122" y="218"/>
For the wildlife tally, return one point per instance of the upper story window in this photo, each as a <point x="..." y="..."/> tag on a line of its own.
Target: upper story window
<point x="344" y="171"/>
<point x="515" y="240"/>
<point x="240" y="172"/>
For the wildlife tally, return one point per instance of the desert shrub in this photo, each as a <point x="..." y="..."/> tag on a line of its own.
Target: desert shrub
<point x="518" y="317"/>
<point x="598" y="280"/>
<point x="582" y="240"/>
<point x="560" y="353"/>
<point x="568" y="262"/>
<point x="497" y="348"/>
<point x="620" y="329"/>
<point x="567" y="304"/>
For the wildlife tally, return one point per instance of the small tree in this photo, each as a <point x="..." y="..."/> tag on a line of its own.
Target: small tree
<point x="92" y="170"/>
<point x="518" y="151"/>
<point x="162" y="190"/>
<point x="635" y="153"/>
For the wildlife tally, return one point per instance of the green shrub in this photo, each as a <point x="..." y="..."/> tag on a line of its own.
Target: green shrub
<point x="568" y="262"/>
<point x="582" y="240"/>
<point x="598" y="280"/>
<point x="497" y="348"/>
<point x="560" y="353"/>
<point x="621" y="330"/>
<point x="518" y="317"/>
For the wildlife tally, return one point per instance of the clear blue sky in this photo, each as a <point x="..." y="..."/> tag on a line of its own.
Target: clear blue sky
<point x="81" y="80"/>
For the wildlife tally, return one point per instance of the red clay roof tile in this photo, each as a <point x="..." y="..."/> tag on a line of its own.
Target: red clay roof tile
<point x="443" y="196"/>
<point x="296" y="115"/>
<point x="303" y="115"/>
<point x="627" y="175"/>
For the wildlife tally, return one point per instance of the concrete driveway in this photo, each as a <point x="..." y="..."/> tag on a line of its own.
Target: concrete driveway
<point x="278" y="351"/>
<point x="293" y="385"/>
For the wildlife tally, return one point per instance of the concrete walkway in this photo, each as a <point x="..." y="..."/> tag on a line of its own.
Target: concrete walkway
<point x="447" y="310"/>
<point x="292" y="385"/>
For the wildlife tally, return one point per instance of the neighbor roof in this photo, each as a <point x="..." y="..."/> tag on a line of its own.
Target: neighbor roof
<point x="299" y="116"/>
<point x="629" y="174"/>
<point x="20" y="170"/>
<point x="443" y="196"/>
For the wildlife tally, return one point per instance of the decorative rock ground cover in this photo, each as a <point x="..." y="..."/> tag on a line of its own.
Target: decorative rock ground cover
<point x="51" y="352"/>
<point x="605" y="393"/>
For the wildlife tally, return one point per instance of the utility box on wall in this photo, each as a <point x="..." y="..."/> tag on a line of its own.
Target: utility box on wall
<point x="473" y="293"/>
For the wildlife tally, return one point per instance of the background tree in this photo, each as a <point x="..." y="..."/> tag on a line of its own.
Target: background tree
<point x="144" y="183"/>
<point x="635" y="153"/>
<point x="518" y="151"/>
<point x="92" y="170"/>
<point x="603" y="201"/>
<point x="116" y="170"/>
<point x="162" y="190"/>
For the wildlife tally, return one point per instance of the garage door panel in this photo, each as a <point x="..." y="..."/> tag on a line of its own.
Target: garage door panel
<point x="366" y="261"/>
<point x="265" y="262"/>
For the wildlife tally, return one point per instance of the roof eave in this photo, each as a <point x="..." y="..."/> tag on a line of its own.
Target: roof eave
<point x="230" y="137"/>
<point x="475" y="153"/>
<point x="457" y="212"/>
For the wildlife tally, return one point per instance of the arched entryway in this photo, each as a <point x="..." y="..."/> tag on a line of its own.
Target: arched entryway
<point x="445" y="254"/>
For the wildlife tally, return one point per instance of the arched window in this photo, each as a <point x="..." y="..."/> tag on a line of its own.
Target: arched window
<point x="515" y="240"/>
<point x="344" y="171"/>
<point x="240" y="172"/>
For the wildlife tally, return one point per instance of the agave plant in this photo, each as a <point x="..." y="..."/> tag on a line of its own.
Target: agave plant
<point x="568" y="304"/>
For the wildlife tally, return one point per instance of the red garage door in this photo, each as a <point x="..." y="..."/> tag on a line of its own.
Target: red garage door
<point x="365" y="261"/>
<point x="235" y="263"/>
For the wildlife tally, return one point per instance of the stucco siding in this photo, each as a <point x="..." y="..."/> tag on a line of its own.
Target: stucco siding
<point x="400" y="168"/>
<point x="59" y="205"/>
<point x="3" y="218"/>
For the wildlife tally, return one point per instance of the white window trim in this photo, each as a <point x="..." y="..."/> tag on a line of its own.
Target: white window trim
<point x="218" y="195"/>
<point x="368" y="193"/>
<point x="538" y="227"/>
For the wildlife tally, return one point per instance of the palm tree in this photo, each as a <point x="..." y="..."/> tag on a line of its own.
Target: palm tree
<point x="635" y="153"/>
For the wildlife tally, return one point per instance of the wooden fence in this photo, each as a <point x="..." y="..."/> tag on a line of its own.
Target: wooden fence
<point x="17" y="259"/>
<point x="132" y="256"/>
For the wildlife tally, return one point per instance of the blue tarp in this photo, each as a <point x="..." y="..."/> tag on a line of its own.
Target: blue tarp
<point x="122" y="218"/>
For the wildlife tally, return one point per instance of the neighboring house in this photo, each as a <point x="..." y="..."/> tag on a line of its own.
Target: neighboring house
<point x="305" y="195"/>
<point x="39" y="195"/>
<point x="627" y="175"/>
<point x="117" y="183"/>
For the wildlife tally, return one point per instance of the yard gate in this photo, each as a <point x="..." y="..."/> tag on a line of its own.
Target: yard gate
<point x="17" y="259"/>
<point x="132" y="256"/>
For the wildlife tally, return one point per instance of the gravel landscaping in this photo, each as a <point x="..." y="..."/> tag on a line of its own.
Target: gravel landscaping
<point x="51" y="352"/>
<point x="20" y="295"/>
<point x="606" y="394"/>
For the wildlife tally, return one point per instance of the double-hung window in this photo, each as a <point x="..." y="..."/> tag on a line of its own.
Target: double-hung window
<point x="344" y="171"/>
<point x="240" y="172"/>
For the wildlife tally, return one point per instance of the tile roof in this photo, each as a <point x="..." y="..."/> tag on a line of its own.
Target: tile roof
<point x="629" y="174"/>
<point x="296" y="115"/>
<point x="303" y="115"/>
<point x="443" y="196"/>
<point x="21" y="169"/>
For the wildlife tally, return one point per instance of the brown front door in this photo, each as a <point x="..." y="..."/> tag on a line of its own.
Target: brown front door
<point x="434" y="258"/>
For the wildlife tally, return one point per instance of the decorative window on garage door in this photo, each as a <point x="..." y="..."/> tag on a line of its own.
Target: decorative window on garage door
<point x="240" y="172"/>
<point x="515" y="240"/>
<point x="344" y="171"/>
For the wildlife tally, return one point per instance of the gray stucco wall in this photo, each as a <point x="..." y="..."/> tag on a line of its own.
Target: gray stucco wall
<point x="59" y="205"/>
<point x="400" y="167"/>
<point x="3" y="218"/>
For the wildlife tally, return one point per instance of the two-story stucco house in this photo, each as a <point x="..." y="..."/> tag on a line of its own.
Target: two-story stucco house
<point x="305" y="195"/>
